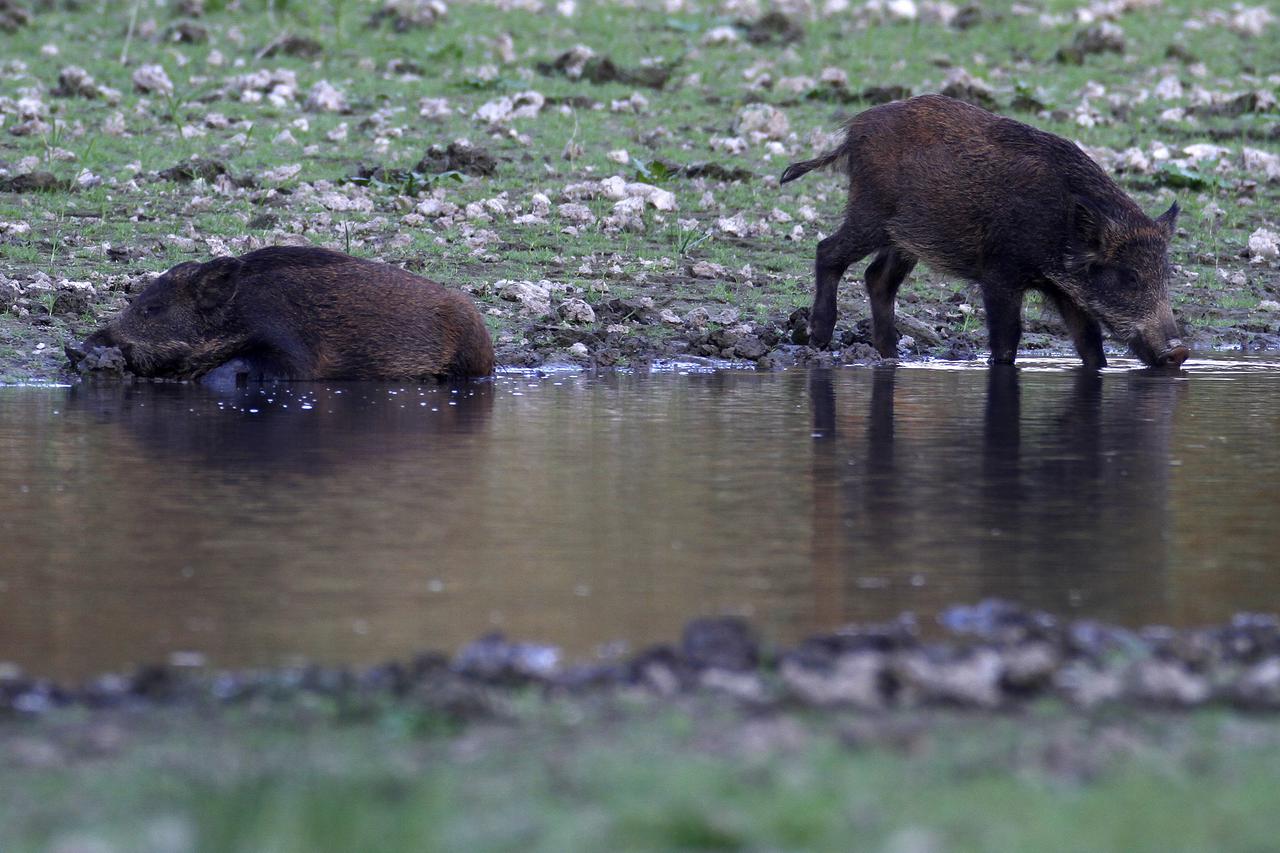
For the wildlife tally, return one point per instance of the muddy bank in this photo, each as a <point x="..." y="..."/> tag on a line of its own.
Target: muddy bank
<point x="47" y="314"/>
<point x="993" y="656"/>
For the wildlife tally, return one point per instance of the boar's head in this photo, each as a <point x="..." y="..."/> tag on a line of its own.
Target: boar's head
<point x="180" y="326"/>
<point x="1121" y="271"/>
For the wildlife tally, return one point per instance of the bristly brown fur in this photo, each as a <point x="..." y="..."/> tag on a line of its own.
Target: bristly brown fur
<point x="300" y="313"/>
<point x="1005" y="205"/>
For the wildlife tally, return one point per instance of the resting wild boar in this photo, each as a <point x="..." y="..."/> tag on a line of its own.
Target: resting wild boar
<point x="1005" y="205"/>
<point x="297" y="313"/>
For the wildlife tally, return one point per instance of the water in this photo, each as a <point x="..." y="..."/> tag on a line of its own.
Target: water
<point x="349" y="522"/>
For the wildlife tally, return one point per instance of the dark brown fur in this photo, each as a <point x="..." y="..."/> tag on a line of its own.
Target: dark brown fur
<point x="1006" y="205"/>
<point x="299" y="313"/>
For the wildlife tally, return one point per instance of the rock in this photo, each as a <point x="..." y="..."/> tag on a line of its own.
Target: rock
<point x="750" y="348"/>
<point x="969" y="678"/>
<point x="405" y="15"/>
<point x="493" y="659"/>
<point x="576" y="311"/>
<point x="533" y="298"/>
<point x="324" y="97"/>
<point x="726" y="643"/>
<point x="1165" y="682"/>
<point x="579" y="350"/>
<point x="856" y="678"/>
<point x="152" y="79"/>
<point x="1261" y="164"/>
<point x="99" y="359"/>
<point x="1264" y="245"/>
<point x="507" y="108"/>
<point x="74" y="81"/>
<point x="762" y="121"/>
<point x="1259" y="685"/>
<point x="707" y="269"/>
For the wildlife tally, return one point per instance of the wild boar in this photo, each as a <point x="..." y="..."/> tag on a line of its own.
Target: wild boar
<point x="1000" y="203"/>
<point x="291" y="312"/>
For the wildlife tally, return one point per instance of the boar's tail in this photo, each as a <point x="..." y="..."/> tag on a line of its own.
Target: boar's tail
<point x="804" y="167"/>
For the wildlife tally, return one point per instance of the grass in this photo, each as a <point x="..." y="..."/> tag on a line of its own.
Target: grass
<point x="562" y="778"/>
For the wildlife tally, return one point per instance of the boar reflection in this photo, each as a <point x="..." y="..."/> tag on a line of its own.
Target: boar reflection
<point x="238" y="533"/>
<point x="1053" y="491"/>
<point x="307" y="428"/>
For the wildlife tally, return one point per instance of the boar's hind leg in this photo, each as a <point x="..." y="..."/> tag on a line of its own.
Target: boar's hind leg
<point x="1004" y="321"/>
<point x="836" y="253"/>
<point x="1085" y="331"/>
<point x="883" y="277"/>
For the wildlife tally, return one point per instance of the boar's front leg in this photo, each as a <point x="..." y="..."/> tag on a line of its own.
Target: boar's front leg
<point x="1085" y="331"/>
<point x="850" y="244"/>
<point x="1004" y="321"/>
<point x="883" y="277"/>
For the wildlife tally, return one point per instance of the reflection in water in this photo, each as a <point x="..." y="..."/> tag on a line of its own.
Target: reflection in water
<point x="1056" y="508"/>
<point x="355" y="522"/>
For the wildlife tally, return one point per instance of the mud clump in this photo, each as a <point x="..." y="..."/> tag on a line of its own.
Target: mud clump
<point x="13" y="16"/>
<point x="34" y="182"/>
<point x="582" y="64"/>
<point x="205" y="169"/>
<point x="1105" y="37"/>
<point x="467" y="159"/>
<point x="773" y="28"/>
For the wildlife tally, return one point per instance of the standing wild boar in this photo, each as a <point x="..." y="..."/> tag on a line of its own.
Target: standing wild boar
<point x="297" y="313"/>
<point x="1005" y="205"/>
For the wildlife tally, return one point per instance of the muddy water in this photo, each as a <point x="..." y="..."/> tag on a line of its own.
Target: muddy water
<point x="356" y="522"/>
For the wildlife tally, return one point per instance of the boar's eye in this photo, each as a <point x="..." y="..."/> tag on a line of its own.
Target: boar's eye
<point x="152" y="310"/>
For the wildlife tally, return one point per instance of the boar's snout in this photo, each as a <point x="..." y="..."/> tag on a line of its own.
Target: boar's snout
<point x="1160" y="350"/>
<point x="1174" y="355"/>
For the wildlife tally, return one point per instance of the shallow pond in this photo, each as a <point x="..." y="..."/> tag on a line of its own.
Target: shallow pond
<point x="358" y="522"/>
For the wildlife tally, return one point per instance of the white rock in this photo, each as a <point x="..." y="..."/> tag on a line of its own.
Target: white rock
<point x="735" y="225"/>
<point x="579" y="350"/>
<point x="720" y="35"/>
<point x="151" y="78"/>
<point x="540" y="205"/>
<point x="577" y="213"/>
<point x="1205" y="151"/>
<point x="434" y="108"/>
<point x="1169" y="88"/>
<point x="534" y="298"/>
<point x="281" y="173"/>
<point x="728" y="144"/>
<point x="1269" y="305"/>
<point x="620" y="156"/>
<point x="633" y="103"/>
<point x="1261" y="162"/>
<point x="902" y="10"/>
<point x="507" y="108"/>
<point x="325" y="97"/>
<point x="576" y="311"/>
<point x="762" y="121"/>
<point x="1264" y="245"/>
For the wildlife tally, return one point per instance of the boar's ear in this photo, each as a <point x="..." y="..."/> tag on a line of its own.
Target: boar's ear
<point x="215" y="283"/>
<point x="1090" y="230"/>
<point x="1168" y="220"/>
